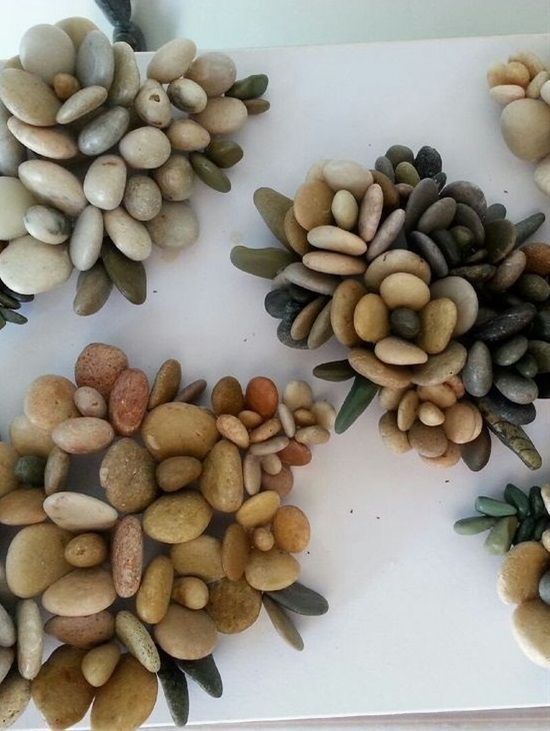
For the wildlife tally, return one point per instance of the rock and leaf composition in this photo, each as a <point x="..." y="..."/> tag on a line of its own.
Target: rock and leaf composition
<point x="518" y="528"/>
<point x="203" y="489"/>
<point x="441" y="304"/>
<point x="97" y="167"/>
<point x="522" y="87"/>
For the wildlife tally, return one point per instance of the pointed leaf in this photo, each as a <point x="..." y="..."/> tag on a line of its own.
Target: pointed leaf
<point x="298" y="598"/>
<point x="359" y="397"/>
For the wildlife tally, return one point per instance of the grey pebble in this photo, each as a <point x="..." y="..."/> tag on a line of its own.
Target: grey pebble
<point x="297" y="273"/>
<point x="528" y="226"/>
<point x="541" y="351"/>
<point x="527" y="366"/>
<point x="421" y="198"/>
<point x="430" y="251"/>
<point x="544" y="588"/>
<point x="448" y="246"/>
<point x="405" y="323"/>
<point x="321" y="330"/>
<point x="511" y="351"/>
<point x="500" y="239"/>
<point x="383" y="165"/>
<point x="440" y="179"/>
<point x="470" y="193"/>
<point x="438" y="216"/>
<point x="478" y="371"/>
<point x="466" y="216"/>
<point x="495" y="211"/>
<point x="95" y="63"/>
<point x="516" y="388"/>
<point x="518" y="414"/>
<point x="509" y="271"/>
<point x="399" y="153"/>
<point x="533" y="287"/>
<point x="475" y="273"/>
<point x="476" y="454"/>
<point x="104" y="131"/>
<point x="508" y="323"/>
<point x="541" y="325"/>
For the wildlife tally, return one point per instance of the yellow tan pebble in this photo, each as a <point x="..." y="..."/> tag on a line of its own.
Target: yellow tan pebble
<point x="430" y="414"/>
<point x="190" y="592"/>
<point x="407" y="410"/>
<point x="153" y="596"/>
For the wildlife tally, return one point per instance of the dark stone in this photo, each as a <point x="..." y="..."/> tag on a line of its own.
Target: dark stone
<point x="405" y="323"/>
<point x="429" y="250"/>
<point x="495" y="211"/>
<point x="533" y="288"/>
<point x="399" y="153"/>
<point x="466" y="216"/>
<point x="428" y="162"/>
<point x="383" y="165"/>
<point x="541" y="326"/>
<point x="500" y="239"/>
<point x="477" y="375"/>
<point x="511" y="351"/>
<point x="275" y="302"/>
<point x="528" y="226"/>
<point x="508" y="323"/>
<point x="421" y="198"/>
<point x="440" y="179"/>
<point x="508" y="411"/>
<point x="527" y="366"/>
<point x="448" y="247"/>
<point x="515" y="387"/>
<point x="470" y="193"/>
<point x="475" y="272"/>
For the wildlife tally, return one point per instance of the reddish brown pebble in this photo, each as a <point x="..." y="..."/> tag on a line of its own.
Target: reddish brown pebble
<point x="295" y="454"/>
<point x="128" y="401"/>
<point x="99" y="366"/>
<point x="262" y="396"/>
<point x="127" y="556"/>
<point x="538" y="258"/>
<point x="281" y="483"/>
<point x="84" y="632"/>
<point x="227" y="396"/>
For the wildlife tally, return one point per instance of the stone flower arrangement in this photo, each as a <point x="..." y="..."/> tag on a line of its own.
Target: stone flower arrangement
<point x="438" y="301"/>
<point x="522" y="87"/>
<point x="519" y="529"/>
<point x="97" y="167"/>
<point x="204" y="486"/>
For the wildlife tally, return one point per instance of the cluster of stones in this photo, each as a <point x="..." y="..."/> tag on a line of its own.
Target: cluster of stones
<point x="520" y="528"/>
<point x="522" y="86"/>
<point x="98" y="167"/>
<point x="169" y="467"/>
<point x="426" y="285"/>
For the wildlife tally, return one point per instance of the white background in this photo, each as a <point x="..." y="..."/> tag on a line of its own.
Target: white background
<point x="415" y="623"/>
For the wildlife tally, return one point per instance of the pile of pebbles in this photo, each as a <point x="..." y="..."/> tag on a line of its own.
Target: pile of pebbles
<point x="522" y="87"/>
<point x="427" y="287"/>
<point x="98" y="167"/>
<point x="519" y="529"/>
<point x="201" y="487"/>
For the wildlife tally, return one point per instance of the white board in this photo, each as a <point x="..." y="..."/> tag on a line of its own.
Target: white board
<point x="415" y="623"/>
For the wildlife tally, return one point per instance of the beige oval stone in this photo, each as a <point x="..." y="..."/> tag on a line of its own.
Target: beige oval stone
<point x="190" y="592"/>
<point x="402" y="289"/>
<point x="176" y="472"/>
<point x="7" y="656"/>
<point x="79" y="593"/>
<point x="235" y="551"/>
<point x="449" y="458"/>
<point x="390" y="398"/>
<point x="463" y="422"/>
<point x="22" y="507"/>
<point x="127" y="556"/>
<point x="345" y="209"/>
<point x="428" y="441"/>
<point x="53" y="142"/>
<point x="49" y="400"/>
<point x="231" y="428"/>
<point x="30" y="638"/>
<point x="99" y="365"/>
<point x="171" y="60"/>
<point x="128" y="235"/>
<point x="187" y="95"/>
<point x="430" y="414"/>
<point x="530" y="627"/>
<point x="83" y="632"/>
<point x="15" y="694"/>
<point x="60" y="691"/>
<point x="396" y="440"/>
<point x="332" y="263"/>
<point x="442" y="395"/>
<point x="152" y="104"/>
<point x="16" y="201"/>
<point x="177" y="518"/>
<point x="312" y="205"/>
<point x="258" y="510"/>
<point x="90" y="402"/>
<point x="437" y="323"/>
<point x="30" y="266"/>
<point x="132" y="633"/>
<point x="396" y="351"/>
<point x="36" y="559"/>
<point x="86" y="550"/>
<point x="186" y="634"/>
<point x="186" y="135"/>
<point x="396" y="260"/>
<point x="441" y="367"/>
<point x="53" y="184"/>
<point x="175" y="178"/>
<point x="298" y="395"/>
<point x="222" y="477"/>
<point x="105" y="182"/>
<point x="332" y="238"/>
<point x="368" y="365"/>
<point x="370" y="212"/>
<point x="271" y="570"/>
<point x="214" y="71"/>
<point x="99" y="663"/>
<point x="371" y="319"/>
<point x="8" y="460"/>
<point x="153" y="597"/>
<point x="127" y="699"/>
<point x="525" y="126"/>
<point x="142" y="197"/>
<point x="347" y="175"/>
<point x="233" y="605"/>
<point x="462" y="293"/>
<point x="407" y="410"/>
<point x="145" y="148"/>
<point x="28" y="97"/>
<point x="127" y="474"/>
<point x="291" y="529"/>
<point x="222" y="116"/>
<point x="200" y="557"/>
<point x="178" y="429"/>
<point x="521" y="571"/>
<point x="83" y="435"/>
<point x="81" y="103"/>
<point x="76" y="512"/>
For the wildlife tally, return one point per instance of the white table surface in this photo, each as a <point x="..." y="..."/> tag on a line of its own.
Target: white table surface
<point x="415" y="624"/>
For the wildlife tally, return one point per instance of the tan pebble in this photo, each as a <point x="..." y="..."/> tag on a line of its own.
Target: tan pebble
<point x="525" y="126"/>
<point x="496" y="74"/>
<point x="429" y="441"/>
<point x="304" y="321"/>
<point x="390" y="398"/>
<point x="227" y="396"/>
<point x="396" y="351"/>
<point x="222" y="116"/>
<point x="263" y="539"/>
<point x="517" y="73"/>
<point x="231" y="428"/>
<point x="8" y="460"/>
<point x="456" y="384"/>
<point x="83" y="435"/>
<point x="536" y="84"/>
<point x="177" y="472"/>
<point x="235" y="550"/>
<point x="546" y="539"/>
<point x="99" y="663"/>
<point x="79" y="593"/>
<point x="51" y="142"/>
<point x="233" y="605"/>
<point x="186" y="634"/>
<point x="65" y="85"/>
<point x="83" y="632"/>
<point x="347" y="175"/>
<point x="192" y="392"/>
<point x="530" y="628"/>
<point x="521" y="571"/>
<point x="22" y="507"/>
<point x="430" y="414"/>
<point x="449" y="458"/>
<point x="152" y="104"/>
<point x="506" y="93"/>
<point x="262" y="396"/>
<point x="172" y="60"/>
<point x="60" y="691"/>
<point x="26" y="576"/>
<point x="370" y="212"/>
<point x="437" y="323"/>
<point x="332" y="238"/>
<point x="251" y="419"/>
<point x="386" y="234"/>
<point x="345" y="299"/>
<point x="312" y="205"/>
<point x="127" y="699"/>
<point x="530" y="60"/>
<point x="304" y="417"/>
<point x="268" y="429"/>
<point x="77" y="512"/>
<point x="190" y="592"/>
<point x="291" y="529"/>
<point x="442" y="395"/>
<point x="176" y="518"/>
<point x="325" y="414"/>
<point x="128" y="401"/>
<point x="99" y="366"/>
<point x="201" y="557"/>
<point x="345" y="209"/>
<point x="321" y="330"/>
<point x="49" y="400"/>
<point x="186" y="135"/>
<point x="127" y="556"/>
<point x="127" y="474"/>
<point x="222" y="478"/>
<point x="154" y="593"/>
<point x="90" y="402"/>
<point x="396" y="261"/>
<point x="252" y="474"/>
<point x="367" y="364"/>
<point x="312" y="435"/>
<point x="271" y="570"/>
<point x="407" y="410"/>
<point x="286" y="419"/>
<point x="389" y="189"/>
<point x="166" y="383"/>
<point x="85" y="550"/>
<point x="463" y="422"/>
<point x="371" y="318"/>
<point x="30" y="638"/>
<point x="402" y="289"/>
<point x="281" y="483"/>
<point x="133" y="635"/>
<point x="296" y="236"/>
<point x="441" y="367"/>
<point x="179" y="429"/>
<point x="271" y="464"/>
<point x="404" y="190"/>
<point x="7" y="656"/>
<point x="297" y="394"/>
<point x="270" y="446"/>
<point x="258" y="510"/>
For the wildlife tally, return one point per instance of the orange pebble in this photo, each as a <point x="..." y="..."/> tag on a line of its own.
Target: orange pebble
<point x="295" y="454"/>
<point x="262" y="396"/>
